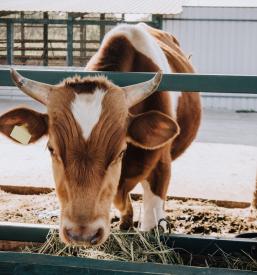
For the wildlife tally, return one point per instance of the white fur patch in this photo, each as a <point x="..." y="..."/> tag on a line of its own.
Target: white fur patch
<point x="143" y="42"/>
<point x="153" y="208"/>
<point x="86" y="109"/>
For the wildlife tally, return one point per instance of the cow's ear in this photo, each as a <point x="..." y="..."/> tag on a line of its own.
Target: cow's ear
<point x="151" y="130"/>
<point x="24" y="125"/>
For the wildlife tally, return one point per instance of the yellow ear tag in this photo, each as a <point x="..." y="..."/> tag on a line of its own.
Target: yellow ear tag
<point x="21" y="134"/>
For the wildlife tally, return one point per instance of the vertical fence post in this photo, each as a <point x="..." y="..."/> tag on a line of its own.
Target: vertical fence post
<point x="70" y="40"/>
<point x="23" y="60"/>
<point x="45" y="38"/>
<point x="83" y="43"/>
<point x="157" y="21"/>
<point x="102" y="27"/>
<point x="9" y="33"/>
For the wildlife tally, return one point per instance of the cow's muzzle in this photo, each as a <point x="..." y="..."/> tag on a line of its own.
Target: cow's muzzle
<point x="88" y="234"/>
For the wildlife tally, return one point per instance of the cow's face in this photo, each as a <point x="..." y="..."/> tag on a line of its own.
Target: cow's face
<point x="89" y="125"/>
<point x="87" y="139"/>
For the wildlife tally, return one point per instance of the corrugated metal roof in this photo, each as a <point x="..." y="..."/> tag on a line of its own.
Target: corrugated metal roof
<point x="220" y="3"/>
<point x="95" y="6"/>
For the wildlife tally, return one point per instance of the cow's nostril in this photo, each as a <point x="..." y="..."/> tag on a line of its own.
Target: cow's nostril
<point x="97" y="237"/>
<point x="73" y="236"/>
<point x="68" y="233"/>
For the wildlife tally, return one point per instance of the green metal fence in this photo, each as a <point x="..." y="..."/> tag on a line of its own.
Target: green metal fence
<point x="197" y="246"/>
<point x="170" y="82"/>
<point x="69" y="24"/>
<point x="40" y="264"/>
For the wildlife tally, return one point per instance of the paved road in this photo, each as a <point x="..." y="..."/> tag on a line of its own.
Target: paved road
<point x="219" y="126"/>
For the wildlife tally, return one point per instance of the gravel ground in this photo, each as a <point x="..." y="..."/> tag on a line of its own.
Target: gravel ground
<point x="188" y="217"/>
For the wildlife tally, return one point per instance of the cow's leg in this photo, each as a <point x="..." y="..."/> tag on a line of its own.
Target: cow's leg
<point x="155" y="190"/>
<point x="122" y="201"/>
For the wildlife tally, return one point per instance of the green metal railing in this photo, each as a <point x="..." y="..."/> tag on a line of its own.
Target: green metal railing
<point x="197" y="245"/>
<point x="170" y="82"/>
<point x="23" y="263"/>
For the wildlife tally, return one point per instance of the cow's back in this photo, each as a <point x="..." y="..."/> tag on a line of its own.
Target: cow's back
<point x="188" y="107"/>
<point x="129" y="48"/>
<point x="140" y="48"/>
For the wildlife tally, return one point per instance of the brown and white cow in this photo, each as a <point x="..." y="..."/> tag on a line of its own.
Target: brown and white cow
<point x="105" y="139"/>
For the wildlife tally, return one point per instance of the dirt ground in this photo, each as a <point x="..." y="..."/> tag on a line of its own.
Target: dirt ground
<point x="188" y="217"/>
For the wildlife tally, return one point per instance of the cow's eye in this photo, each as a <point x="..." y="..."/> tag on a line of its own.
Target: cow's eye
<point x="118" y="158"/>
<point x="50" y="149"/>
<point x="121" y="154"/>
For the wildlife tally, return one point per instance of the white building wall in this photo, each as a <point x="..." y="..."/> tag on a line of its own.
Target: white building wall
<point x="221" y="41"/>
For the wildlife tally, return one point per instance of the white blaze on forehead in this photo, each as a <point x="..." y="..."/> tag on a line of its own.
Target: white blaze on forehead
<point x="146" y="44"/>
<point x="153" y="208"/>
<point x="86" y="109"/>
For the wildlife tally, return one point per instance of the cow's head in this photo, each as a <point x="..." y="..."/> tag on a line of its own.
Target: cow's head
<point x="88" y="124"/>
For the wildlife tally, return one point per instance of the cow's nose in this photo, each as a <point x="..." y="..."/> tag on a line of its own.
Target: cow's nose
<point x="81" y="234"/>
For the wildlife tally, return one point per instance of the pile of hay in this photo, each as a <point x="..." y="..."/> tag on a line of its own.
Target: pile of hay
<point x="137" y="246"/>
<point x="132" y="246"/>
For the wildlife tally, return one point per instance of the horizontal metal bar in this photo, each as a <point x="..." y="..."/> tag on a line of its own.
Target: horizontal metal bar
<point x="10" y="231"/>
<point x="28" y="263"/>
<point x="210" y="19"/>
<point x="50" y="48"/>
<point x="171" y="82"/>
<point x="195" y="245"/>
<point x="38" y="57"/>
<point x="65" y="21"/>
<point x="49" y="41"/>
<point x="227" y="96"/>
<point x="34" y="21"/>
<point x="207" y="245"/>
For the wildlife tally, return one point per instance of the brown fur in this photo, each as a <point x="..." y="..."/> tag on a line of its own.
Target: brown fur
<point x="189" y="105"/>
<point x="139" y="164"/>
<point x="89" y="171"/>
<point x="82" y="173"/>
<point x="86" y="84"/>
<point x="24" y="117"/>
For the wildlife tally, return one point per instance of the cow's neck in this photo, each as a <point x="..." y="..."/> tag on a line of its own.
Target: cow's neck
<point x="121" y="56"/>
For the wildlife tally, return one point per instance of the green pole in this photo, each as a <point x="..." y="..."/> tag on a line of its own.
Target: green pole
<point x="102" y="27"/>
<point x="9" y="32"/>
<point x="70" y="40"/>
<point x="157" y="21"/>
<point x="45" y="37"/>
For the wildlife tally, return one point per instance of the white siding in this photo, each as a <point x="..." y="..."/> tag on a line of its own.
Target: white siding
<point x="230" y="101"/>
<point x="221" y="41"/>
<point x="225" y="46"/>
<point x="220" y="3"/>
